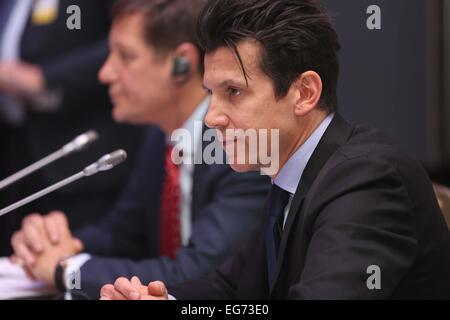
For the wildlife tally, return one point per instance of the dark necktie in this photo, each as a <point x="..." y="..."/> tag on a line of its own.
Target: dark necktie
<point x="278" y="200"/>
<point x="170" y="209"/>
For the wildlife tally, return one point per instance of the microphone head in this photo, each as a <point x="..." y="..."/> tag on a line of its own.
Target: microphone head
<point x="80" y="142"/>
<point x="105" y="163"/>
<point x="111" y="160"/>
<point x="85" y="139"/>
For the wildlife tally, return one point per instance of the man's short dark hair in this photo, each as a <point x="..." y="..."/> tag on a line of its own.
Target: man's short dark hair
<point x="296" y="36"/>
<point x="168" y="23"/>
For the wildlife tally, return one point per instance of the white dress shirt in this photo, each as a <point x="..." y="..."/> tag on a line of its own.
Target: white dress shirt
<point x="194" y="125"/>
<point x="290" y="174"/>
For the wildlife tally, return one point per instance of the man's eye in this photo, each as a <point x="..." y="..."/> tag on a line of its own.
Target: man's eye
<point x="124" y="56"/>
<point x="234" y="92"/>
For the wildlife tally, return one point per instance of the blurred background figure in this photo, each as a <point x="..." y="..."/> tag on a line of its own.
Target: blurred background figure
<point x="49" y="93"/>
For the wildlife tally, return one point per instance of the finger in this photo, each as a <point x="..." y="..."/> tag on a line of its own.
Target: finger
<point x="34" y="218"/>
<point x="52" y="228"/>
<point x="126" y="288"/>
<point x="29" y="274"/>
<point x="139" y="286"/>
<point x="21" y="251"/>
<point x="33" y="231"/>
<point x="147" y="297"/>
<point x="33" y="238"/>
<point x="78" y="245"/>
<point x="157" y="289"/>
<point x="26" y="256"/>
<point x="61" y="220"/>
<point x="108" y="292"/>
<point x="17" y="261"/>
<point x="14" y="259"/>
<point x="136" y="282"/>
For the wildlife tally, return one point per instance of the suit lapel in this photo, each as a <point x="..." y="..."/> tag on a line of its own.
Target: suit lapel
<point x="335" y="136"/>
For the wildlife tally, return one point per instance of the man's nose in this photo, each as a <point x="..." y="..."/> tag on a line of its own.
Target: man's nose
<point x="215" y="118"/>
<point x="107" y="74"/>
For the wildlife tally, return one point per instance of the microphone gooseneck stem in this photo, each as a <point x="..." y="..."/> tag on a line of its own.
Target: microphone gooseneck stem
<point x="105" y="163"/>
<point x="79" y="143"/>
<point x="42" y="193"/>
<point x="32" y="168"/>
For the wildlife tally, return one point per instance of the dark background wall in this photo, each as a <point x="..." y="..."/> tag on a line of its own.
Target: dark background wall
<point x="392" y="77"/>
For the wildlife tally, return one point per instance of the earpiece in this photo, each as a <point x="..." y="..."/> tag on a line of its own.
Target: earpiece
<point x="181" y="67"/>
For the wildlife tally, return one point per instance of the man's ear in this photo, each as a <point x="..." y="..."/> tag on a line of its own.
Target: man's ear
<point x="308" y="89"/>
<point x="189" y="53"/>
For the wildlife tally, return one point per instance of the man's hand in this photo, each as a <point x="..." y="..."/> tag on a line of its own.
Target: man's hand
<point x="21" y="79"/>
<point x="42" y="242"/>
<point x="44" y="267"/>
<point x="124" y="289"/>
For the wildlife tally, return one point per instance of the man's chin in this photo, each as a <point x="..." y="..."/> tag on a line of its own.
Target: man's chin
<point x="120" y="116"/>
<point x="242" y="168"/>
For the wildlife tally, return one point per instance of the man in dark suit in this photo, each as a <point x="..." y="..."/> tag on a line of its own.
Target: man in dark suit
<point x="171" y="222"/>
<point x="49" y="93"/>
<point x="349" y="215"/>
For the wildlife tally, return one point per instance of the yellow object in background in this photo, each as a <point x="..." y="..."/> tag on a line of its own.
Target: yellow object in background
<point x="45" y="12"/>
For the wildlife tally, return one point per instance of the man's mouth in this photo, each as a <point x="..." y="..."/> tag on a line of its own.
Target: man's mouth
<point x="229" y="143"/>
<point x="115" y="97"/>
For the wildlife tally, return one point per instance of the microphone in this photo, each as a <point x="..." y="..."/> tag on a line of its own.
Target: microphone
<point x="78" y="144"/>
<point x="105" y="163"/>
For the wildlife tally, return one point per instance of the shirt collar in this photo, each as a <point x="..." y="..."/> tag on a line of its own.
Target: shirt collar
<point x="290" y="174"/>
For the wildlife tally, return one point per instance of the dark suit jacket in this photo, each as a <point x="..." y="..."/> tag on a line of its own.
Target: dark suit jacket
<point x="226" y="208"/>
<point x="70" y="60"/>
<point x="360" y="202"/>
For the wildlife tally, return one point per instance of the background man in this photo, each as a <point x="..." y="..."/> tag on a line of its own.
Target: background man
<point x="49" y="93"/>
<point x="154" y="75"/>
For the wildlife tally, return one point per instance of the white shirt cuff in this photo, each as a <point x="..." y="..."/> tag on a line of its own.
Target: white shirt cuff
<point x="73" y="268"/>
